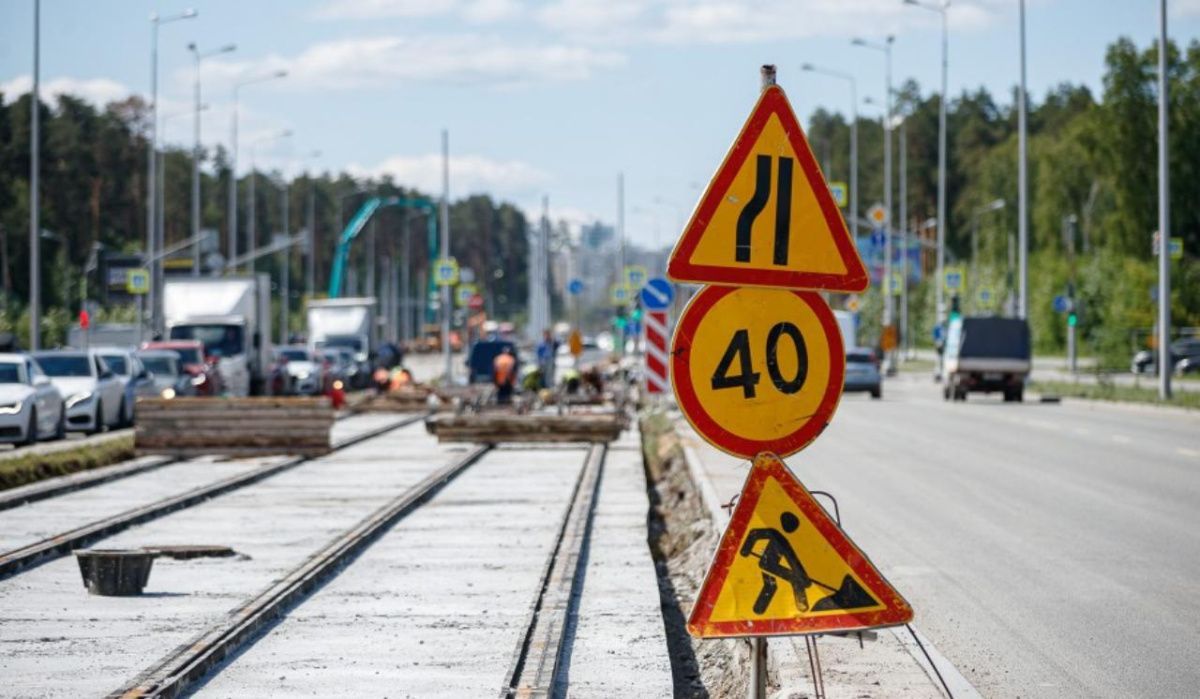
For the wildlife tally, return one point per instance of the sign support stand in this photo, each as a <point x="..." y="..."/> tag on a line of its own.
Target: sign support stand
<point x="758" y="668"/>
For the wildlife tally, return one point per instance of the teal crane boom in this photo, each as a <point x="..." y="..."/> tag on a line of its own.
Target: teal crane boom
<point x="359" y="221"/>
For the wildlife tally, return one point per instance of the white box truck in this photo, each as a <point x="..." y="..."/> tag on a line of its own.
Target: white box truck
<point x="232" y="317"/>
<point x="348" y="323"/>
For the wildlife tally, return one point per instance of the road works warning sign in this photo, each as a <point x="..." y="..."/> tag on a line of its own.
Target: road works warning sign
<point x="768" y="217"/>
<point x="757" y="369"/>
<point x="784" y="567"/>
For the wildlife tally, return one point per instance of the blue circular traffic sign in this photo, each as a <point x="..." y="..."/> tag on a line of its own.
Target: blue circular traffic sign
<point x="575" y="287"/>
<point x="657" y="294"/>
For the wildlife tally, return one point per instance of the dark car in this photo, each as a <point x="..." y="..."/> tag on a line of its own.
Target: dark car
<point x="481" y="358"/>
<point x="1185" y="350"/>
<point x="986" y="354"/>
<point x="167" y="374"/>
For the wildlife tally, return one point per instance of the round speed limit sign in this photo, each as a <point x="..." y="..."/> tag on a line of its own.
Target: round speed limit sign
<point x="758" y="369"/>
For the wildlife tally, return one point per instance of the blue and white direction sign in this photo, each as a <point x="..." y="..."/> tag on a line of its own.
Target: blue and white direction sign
<point x="575" y="287"/>
<point x="445" y="272"/>
<point x="657" y="295"/>
<point x="878" y="238"/>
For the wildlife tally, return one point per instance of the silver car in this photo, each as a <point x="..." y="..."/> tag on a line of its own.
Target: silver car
<point x="95" y="398"/>
<point x="31" y="408"/>
<point x="862" y="372"/>
<point x="135" y="380"/>
<point x="306" y="373"/>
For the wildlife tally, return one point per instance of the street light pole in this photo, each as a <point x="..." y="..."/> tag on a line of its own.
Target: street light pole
<point x="310" y="265"/>
<point x="1164" y="216"/>
<point x="253" y="206"/>
<point x="233" y="212"/>
<point x="197" y="56"/>
<point x="888" y="310"/>
<point x="285" y="300"/>
<point x="853" y="217"/>
<point x="153" y="217"/>
<point x="445" y="216"/>
<point x="943" y="223"/>
<point x="904" y="339"/>
<point x="35" y="200"/>
<point x="1022" y="187"/>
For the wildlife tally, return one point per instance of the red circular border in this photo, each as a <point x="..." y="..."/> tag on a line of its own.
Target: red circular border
<point x="718" y="436"/>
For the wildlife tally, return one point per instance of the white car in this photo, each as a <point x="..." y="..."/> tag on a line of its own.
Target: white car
<point x="95" y="397"/>
<point x="31" y="408"/>
<point x="135" y="380"/>
<point x="307" y="374"/>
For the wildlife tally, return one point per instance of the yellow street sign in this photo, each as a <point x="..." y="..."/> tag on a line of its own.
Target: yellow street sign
<point x="784" y="567"/>
<point x="620" y="294"/>
<point x="839" y="189"/>
<point x="445" y="271"/>
<point x="463" y="294"/>
<point x="757" y="369"/>
<point x="575" y="342"/>
<point x="137" y="281"/>
<point x="768" y="217"/>
<point x="635" y="277"/>
<point x="954" y="279"/>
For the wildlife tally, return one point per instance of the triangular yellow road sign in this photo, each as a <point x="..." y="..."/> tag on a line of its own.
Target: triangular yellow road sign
<point x="783" y="567"/>
<point x="767" y="217"/>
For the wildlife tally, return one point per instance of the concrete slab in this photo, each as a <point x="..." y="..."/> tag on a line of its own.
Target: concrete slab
<point x="56" y="640"/>
<point x="435" y="608"/>
<point x="619" y="647"/>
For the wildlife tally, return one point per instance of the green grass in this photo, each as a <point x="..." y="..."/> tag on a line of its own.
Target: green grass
<point x="30" y="468"/>
<point x="1120" y="394"/>
<point x="924" y="366"/>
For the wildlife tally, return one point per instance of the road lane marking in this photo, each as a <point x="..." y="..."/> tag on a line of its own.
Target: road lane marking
<point x="1121" y="439"/>
<point x="1187" y="452"/>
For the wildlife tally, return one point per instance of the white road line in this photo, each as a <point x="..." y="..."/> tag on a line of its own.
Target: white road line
<point x="1121" y="439"/>
<point x="1188" y="452"/>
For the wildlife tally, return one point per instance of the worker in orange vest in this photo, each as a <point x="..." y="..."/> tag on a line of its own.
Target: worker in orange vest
<point x="504" y="369"/>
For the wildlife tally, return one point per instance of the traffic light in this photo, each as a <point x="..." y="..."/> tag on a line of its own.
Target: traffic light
<point x="619" y="320"/>
<point x="955" y="307"/>
<point x="1072" y="319"/>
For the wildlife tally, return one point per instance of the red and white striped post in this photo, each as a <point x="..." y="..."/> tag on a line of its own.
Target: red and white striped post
<point x="657" y="339"/>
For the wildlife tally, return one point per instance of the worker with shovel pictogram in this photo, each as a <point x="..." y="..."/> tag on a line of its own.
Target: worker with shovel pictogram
<point x="778" y="561"/>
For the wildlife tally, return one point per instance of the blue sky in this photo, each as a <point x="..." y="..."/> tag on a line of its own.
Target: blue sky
<point x="549" y="97"/>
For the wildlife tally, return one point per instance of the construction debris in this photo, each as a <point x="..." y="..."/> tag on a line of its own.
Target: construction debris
<point x="509" y="427"/>
<point x="234" y="426"/>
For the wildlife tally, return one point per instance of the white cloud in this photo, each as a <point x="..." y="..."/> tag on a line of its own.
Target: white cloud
<point x="1184" y="8"/>
<point x="474" y="11"/>
<point x="595" y="17"/>
<point x="383" y="61"/>
<point x="469" y="174"/>
<point x="98" y="91"/>
<point x="740" y="21"/>
<point x="487" y="11"/>
<point x="383" y="9"/>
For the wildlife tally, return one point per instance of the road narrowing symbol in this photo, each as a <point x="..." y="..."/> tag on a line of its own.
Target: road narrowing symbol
<point x="768" y="217"/>
<point x="784" y="567"/>
<point x="757" y="369"/>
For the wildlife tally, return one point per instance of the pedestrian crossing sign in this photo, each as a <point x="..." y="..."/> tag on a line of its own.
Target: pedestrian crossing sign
<point x="784" y="567"/>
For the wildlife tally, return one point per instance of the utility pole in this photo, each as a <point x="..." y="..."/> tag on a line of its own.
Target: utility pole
<point x="888" y="302"/>
<point x="1164" y="216"/>
<point x="154" y="234"/>
<point x="406" y="309"/>
<point x="233" y="140"/>
<point x="445" y="212"/>
<point x="905" y="341"/>
<point x="285" y="273"/>
<point x="942" y="8"/>
<point x="1022" y="187"/>
<point x="196" y="151"/>
<point x="310" y="263"/>
<point x="35" y="200"/>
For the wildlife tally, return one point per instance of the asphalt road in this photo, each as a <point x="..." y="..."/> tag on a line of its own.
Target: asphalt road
<point x="1049" y="550"/>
